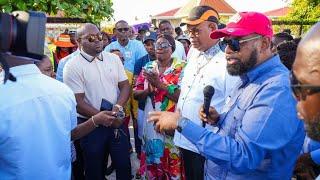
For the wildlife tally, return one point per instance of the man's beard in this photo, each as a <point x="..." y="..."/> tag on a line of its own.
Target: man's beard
<point x="240" y="68"/>
<point x="313" y="129"/>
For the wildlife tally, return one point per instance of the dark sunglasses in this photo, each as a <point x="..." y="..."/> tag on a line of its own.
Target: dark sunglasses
<point x="301" y="91"/>
<point x="234" y="44"/>
<point x="163" y="45"/>
<point x="122" y="29"/>
<point x="93" y="38"/>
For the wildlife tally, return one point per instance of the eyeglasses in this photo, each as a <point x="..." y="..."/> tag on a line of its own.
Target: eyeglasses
<point x="163" y="45"/>
<point x="194" y="31"/>
<point x="122" y="29"/>
<point x="93" y="38"/>
<point x="234" y="44"/>
<point x="301" y="91"/>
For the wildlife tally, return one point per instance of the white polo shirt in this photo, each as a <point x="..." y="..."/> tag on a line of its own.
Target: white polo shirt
<point x="96" y="77"/>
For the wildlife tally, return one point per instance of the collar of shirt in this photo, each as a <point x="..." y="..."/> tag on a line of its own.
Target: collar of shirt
<point x="23" y="70"/>
<point x="261" y="69"/>
<point x="90" y="58"/>
<point x="126" y="46"/>
<point x="211" y="52"/>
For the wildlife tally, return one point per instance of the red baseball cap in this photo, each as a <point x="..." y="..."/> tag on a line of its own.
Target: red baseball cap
<point x="245" y="23"/>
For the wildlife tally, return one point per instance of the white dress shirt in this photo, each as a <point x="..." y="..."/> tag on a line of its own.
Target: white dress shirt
<point x="203" y="68"/>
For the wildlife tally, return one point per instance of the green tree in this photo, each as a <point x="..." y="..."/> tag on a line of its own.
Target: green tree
<point x="304" y="12"/>
<point x="90" y="10"/>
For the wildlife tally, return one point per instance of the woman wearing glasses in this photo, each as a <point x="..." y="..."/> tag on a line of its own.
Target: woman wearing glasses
<point x="158" y="84"/>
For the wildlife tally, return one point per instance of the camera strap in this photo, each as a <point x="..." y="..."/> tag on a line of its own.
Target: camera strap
<point x="7" y="74"/>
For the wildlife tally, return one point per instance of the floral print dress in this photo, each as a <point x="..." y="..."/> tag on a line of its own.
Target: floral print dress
<point x="160" y="158"/>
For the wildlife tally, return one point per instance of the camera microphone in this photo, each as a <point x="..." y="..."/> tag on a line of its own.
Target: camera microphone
<point x="208" y="92"/>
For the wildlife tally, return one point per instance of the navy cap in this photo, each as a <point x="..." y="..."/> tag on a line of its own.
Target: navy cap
<point x="150" y="36"/>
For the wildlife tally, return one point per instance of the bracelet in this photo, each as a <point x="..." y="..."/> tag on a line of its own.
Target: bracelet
<point x="94" y="122"/>
<point x="171" y="88"/>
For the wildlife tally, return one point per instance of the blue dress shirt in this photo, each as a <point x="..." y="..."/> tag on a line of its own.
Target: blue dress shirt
<point x="259" y="134"/>
<point x="37" y="114"/>
<point x="313" y="147"/>
<point x="133" y="51"/>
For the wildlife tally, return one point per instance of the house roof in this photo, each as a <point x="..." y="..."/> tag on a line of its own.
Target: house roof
<point x="278" y="12"/>
<point x="220" y="5"/>
<point x="169" y="13"/>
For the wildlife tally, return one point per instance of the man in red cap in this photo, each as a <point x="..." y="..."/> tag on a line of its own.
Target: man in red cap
<point x="259" y="134"/>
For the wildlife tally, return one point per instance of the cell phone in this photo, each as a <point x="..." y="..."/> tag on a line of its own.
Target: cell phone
<point x="148" y="70"/>
<point x="106" y="105"/>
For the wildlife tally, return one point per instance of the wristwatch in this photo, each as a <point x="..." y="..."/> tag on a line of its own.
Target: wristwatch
<point x="182" y="122"/>
<point x="119" y="107"/>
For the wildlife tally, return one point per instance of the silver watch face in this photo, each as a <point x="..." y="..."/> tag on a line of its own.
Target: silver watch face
<point x="119" y="107"/>
<point x="121" y="114"/>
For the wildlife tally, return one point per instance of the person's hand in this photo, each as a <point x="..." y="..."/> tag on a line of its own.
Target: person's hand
<point x="213" y="117"/>
<point x="152" y="78"/>
<point x="305" y="167"/>
<point x="117" y="122"/>
<point x="104" y="118"/>
<point x="164" y="121"/>
<point x="150" y="88"/>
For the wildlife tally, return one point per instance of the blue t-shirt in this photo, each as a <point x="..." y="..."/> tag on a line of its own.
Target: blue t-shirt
<point x="133" y="51"/>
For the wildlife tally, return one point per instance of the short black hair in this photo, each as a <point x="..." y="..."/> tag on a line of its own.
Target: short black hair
<point x="178" y="30"/>
<point x="120" y="21"/>
<point x="170" y="39"/>
<point x="287" y="52"/>
<point x="164" y="22"/>
<point x="283" y="35"/>
<point x="287" y="31"/>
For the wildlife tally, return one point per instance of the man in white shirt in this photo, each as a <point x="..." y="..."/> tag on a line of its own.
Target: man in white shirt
<point x="165" y="27"/>
<point x="206" y="66"/>
<point x="94" y="75"/>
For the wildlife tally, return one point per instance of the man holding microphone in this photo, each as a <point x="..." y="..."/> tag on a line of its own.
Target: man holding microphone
<point x="259" y="135"/>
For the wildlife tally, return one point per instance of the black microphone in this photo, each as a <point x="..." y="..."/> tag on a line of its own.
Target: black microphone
<point x="208" y="92"/>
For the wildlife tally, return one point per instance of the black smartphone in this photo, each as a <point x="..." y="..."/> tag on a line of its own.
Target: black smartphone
<point x="106" y="105"/>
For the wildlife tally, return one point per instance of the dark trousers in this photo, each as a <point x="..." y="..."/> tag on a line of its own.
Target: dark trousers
<point x="77" y="166"/>
<point x="193" y="165"/>
<point x="97" y="146"/>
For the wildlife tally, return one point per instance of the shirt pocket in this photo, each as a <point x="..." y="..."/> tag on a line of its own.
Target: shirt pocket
<point x="237" y="120"/>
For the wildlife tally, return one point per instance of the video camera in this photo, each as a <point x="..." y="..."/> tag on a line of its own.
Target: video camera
<point x="21" y="34"/>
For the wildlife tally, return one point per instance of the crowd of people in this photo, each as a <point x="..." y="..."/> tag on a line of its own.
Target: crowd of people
<point x="65" y="118"/>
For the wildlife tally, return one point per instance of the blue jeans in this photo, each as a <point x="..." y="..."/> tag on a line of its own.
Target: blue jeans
<point x="97" y="146"/>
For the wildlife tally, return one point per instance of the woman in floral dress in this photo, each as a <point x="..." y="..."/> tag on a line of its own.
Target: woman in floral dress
<point x="158" y="85"/>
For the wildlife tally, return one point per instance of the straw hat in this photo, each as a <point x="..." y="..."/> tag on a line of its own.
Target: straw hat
<point x="63" y="41"/>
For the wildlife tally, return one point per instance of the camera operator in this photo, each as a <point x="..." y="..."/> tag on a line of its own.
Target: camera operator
<point x="37" y="112"/>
